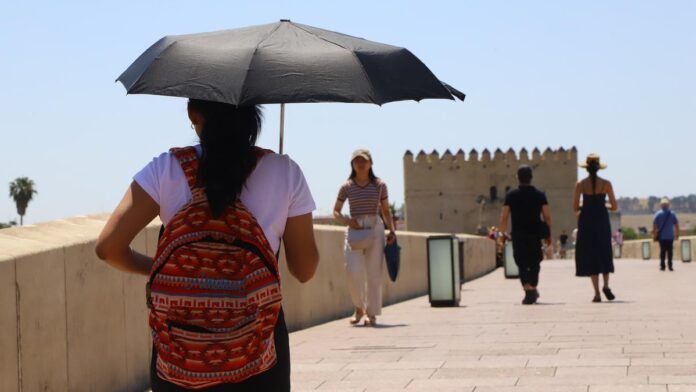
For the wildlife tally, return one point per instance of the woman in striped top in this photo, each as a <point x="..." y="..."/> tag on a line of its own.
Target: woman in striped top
<point x="367" y="196"/>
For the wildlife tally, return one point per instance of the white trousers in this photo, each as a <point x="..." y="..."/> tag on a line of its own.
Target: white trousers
<point x="364" y="268"/>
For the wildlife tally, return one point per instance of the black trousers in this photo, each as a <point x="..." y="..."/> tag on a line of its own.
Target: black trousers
<point x="275" y="379"/>
<point x="528" y="255"/>
<point x="666" y="247"/>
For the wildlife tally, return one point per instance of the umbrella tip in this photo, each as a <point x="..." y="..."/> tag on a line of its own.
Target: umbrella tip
<point x="285" y="20"/>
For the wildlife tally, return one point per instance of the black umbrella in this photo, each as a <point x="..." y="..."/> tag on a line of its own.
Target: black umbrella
<point x="282" y="62"/>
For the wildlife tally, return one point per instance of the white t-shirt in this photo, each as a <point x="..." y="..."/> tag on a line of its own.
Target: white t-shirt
<point x="275" y="190"/>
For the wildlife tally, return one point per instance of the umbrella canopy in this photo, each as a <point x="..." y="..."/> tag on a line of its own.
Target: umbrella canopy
<point x="282" y="62"/>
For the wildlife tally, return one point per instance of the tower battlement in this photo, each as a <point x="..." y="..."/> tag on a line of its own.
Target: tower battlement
<point x="508" y="157"/>
<point x="460" y="192"/>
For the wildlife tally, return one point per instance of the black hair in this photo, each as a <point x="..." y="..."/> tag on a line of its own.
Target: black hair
<point x="593" y="168"/>
<point x="370" y="174"/>
<point x="227" y="138"/>
<point x="524" y="175"/>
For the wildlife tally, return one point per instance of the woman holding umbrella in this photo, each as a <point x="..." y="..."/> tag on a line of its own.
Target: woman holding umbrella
<point x="225" y="205"/>
<point x="364" y="247"/>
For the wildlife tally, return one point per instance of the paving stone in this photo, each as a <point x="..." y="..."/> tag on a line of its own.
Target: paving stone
<point x="493" y="372"/>
<point x="583" y="380"/>
<point x="628" y="388"/>
<point x="536" y="388"/>
<point x="640" y="342"/>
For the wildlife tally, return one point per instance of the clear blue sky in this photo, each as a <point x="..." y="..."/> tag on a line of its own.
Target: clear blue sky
<point x="612" y="77"/>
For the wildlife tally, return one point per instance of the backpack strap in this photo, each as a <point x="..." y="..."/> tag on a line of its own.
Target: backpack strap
<point x="379" y="196"/>
<point x="667" y="215"/>
<point x="188" y="159"/>
<point x="260" y="152"/>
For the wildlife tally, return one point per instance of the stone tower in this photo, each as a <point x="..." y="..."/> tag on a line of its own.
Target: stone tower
<point x="453" y="194"/>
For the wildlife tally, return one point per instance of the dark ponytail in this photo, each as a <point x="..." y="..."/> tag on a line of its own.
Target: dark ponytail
<point x="593" y="168"/>
<point x="228" y="138"/>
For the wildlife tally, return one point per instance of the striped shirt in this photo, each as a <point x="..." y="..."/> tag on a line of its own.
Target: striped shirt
<point x="363" y="200"/>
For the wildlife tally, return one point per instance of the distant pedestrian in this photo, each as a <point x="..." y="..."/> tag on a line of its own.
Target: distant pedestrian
<point x="593" y="253"/>
<point x="525" y="205"/>
<point x="666" y="231"/>
<point x="563" y="244"/>
<point x="368" y="201"/>
<point x="619" y="239"/>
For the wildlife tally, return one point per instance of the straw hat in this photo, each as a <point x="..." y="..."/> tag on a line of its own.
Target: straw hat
<point x="592" y="158"/>
<point x="664" y="201"/>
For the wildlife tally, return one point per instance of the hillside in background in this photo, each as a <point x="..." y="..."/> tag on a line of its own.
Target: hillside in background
<point x="640" y="206"/>
<point x="687" y="221"/>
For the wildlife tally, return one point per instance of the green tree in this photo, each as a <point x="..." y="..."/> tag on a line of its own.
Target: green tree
<point x="22" y="191"/>
<point x="392" y="209"/>
<point x="629" y="233"/>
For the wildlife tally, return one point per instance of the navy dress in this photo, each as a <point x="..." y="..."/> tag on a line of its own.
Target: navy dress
<point x="593" y="253"/>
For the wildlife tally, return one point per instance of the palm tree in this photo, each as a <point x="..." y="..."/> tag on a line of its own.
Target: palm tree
<point x="22" y="191"/>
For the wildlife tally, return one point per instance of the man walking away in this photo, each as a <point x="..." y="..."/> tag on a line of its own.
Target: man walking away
<point x="525" y="205"/>
<point x="666" y="231"/>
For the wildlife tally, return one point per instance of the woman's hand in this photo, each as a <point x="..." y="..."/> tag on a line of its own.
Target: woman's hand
<point x="354" y="224"/>
<point x="391" y="237"/>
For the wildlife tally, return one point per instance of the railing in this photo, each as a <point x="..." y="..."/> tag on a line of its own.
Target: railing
<point x="69" y="322"/>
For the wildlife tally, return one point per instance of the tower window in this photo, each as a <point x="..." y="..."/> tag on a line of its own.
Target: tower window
<point x="494" y="193"/>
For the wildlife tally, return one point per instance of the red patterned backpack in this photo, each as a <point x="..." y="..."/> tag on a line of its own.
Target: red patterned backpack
<point x="214" y="292"/>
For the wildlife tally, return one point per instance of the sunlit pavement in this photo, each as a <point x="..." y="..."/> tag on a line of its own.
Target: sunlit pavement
<point x="645" y="340"/>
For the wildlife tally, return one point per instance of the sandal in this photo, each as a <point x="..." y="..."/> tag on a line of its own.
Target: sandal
<point x="597" y="298"/>
<point x="371" y="321"/>
<point x="607" y="293"/>
<point x="357" y="316"/>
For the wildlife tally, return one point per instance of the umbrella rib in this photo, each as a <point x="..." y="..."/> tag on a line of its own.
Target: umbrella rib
<point x="145" y="69"/>
<point x="367" y="77"/>
<point x="251" y="58"/>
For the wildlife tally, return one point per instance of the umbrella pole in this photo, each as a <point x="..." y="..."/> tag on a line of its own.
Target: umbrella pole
<point x="282" y="127"/>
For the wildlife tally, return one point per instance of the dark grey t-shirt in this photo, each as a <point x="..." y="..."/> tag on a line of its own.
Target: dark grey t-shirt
<point x="525" y="205"/>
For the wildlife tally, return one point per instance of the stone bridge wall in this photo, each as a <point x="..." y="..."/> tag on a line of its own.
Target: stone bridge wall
<point x="69" y="322"/>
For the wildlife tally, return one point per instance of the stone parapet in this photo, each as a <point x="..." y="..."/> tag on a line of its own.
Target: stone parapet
<point x="69" y="322"/>
<point x="634" y="249"/>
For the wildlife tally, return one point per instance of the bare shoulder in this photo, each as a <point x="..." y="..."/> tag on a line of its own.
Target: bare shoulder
<point x="606" y="184"/>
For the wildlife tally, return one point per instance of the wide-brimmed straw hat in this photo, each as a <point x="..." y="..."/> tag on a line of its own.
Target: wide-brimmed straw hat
<point x="592" y="158"/>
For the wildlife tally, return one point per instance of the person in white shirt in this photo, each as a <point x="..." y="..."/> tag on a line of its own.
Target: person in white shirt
<point x="271" y="186"/>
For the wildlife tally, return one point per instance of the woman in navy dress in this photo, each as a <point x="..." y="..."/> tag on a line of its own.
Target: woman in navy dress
<point x="593" y="253"/>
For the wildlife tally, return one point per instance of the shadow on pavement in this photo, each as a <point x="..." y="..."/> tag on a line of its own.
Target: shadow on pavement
<point x="385" y="326"/>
